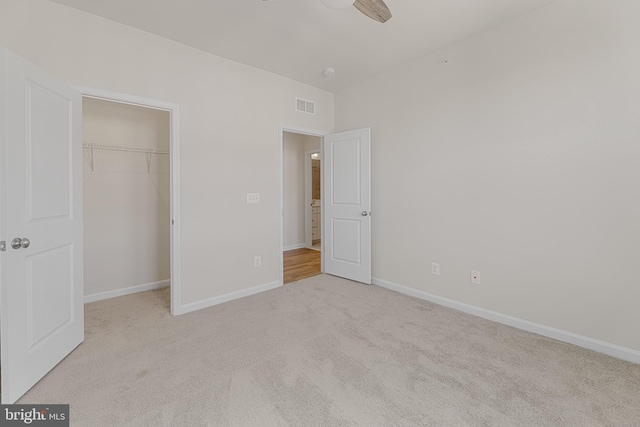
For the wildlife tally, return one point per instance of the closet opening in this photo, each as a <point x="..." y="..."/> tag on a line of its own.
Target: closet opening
<point x="129" y="198"/>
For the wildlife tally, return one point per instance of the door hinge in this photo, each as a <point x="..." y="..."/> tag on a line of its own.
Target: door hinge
<point x="3" y="246"/>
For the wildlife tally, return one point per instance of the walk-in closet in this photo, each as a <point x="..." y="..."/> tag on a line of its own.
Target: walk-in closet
<point x="126" y="199"/>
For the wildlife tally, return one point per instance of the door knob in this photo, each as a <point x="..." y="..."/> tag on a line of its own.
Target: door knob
<point x="18" y="243"/>
<point x="365" y="213"/>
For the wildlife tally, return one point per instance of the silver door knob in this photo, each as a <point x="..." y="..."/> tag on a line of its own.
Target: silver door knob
<point x="18" y="243"/>
<point x="365" y="213"/>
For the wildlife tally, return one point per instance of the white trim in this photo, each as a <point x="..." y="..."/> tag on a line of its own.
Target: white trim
<point x="174" y="168"/>
<point x="126" y="291"/>
<point x="198" y="305"/>
<point x="174" y="155"/>
<point x="293" y="247"/>
<point x="557" y="334"/>
<point x="124" y="98"/>
<point x="282" y="128"/>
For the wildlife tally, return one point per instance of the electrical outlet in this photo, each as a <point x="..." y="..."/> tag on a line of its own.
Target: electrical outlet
<point x="475" y="277"/>
<point x="253" y="197"/>
<point x="435" y="268"/>
<point x="257" y="261"/>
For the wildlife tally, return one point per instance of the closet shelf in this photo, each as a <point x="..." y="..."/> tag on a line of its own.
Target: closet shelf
<point x="147" y="151"/>
<point x="124" y="148"/>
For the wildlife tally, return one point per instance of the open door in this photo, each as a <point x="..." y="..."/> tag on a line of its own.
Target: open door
<point x="347" y="205"/>
<point x="41" y="284"/>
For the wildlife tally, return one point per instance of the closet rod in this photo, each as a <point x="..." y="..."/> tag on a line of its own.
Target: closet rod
<point x="124" y="148"/>
<point x="147" y="151"/>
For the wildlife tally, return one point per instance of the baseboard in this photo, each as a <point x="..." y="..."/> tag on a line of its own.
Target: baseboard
<point x="292" y="247"/>
<point x="557" y="334"/>
<point x="187" y="308"/>
<point x="125" y="291"/>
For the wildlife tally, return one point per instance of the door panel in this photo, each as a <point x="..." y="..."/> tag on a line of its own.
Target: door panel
<point x="347" y="232"/>
<point x="41" y="287"/>
<point x="345" y="238"/>
<point x="49" y="294"/>
<point x="48" y="151"/>
<point x="345" y="173"/>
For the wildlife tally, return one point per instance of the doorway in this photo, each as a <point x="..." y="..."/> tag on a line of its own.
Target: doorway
<point x="301" y="224"/>
<point x="346" y="202"/>
<point x="126" y="199"/>
<point x="131" y="196"/>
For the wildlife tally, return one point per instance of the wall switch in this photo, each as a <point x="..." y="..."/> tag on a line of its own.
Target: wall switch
<point x="475" y="277"/>
<point x="253" y="197"/>
<point x="257" y="261"/>
<point x="435" y="268"/>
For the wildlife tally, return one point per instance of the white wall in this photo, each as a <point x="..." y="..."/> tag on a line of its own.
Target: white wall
<point x="294" y="148"/>
<point x="519" y="159"/>
<point x="126" y="205"/>
<point x="230" y="115"/>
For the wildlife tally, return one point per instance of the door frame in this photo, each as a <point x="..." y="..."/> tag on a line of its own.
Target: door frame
<point x="174" y="171"/>
<point x="282" y="128"/>
<point x="308" y="196"/>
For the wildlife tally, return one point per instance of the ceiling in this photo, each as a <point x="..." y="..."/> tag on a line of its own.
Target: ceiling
<point x="299" y="38"/>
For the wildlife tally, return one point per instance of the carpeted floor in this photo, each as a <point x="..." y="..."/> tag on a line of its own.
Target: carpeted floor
<point x="329" y="352"/>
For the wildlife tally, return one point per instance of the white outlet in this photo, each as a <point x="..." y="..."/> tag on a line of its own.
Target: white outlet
<point x="257" y="261"/>
<point x="475" y="277"/>
<point x="435" y="268"/>
<point x="253" y="197"/>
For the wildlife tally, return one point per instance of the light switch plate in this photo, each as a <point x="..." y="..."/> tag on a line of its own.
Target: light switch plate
<point x="253" y="197"/>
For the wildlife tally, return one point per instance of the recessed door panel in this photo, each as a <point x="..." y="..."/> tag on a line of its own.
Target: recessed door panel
<point x="48" y="145"/>
<point x="345" y="241"/>
<point x="49" y="293"/>
<point x="345" y="172"/>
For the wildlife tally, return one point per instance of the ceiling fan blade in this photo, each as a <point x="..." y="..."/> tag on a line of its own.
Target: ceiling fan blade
<point x="374" y="9"/>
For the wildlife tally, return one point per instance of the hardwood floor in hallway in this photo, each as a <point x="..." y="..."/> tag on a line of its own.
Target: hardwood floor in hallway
<point x="300" y="264"/>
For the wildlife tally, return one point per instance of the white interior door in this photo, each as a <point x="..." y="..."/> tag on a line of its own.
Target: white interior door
<point x="41" y="285"/>
<point x="347" y="205"/>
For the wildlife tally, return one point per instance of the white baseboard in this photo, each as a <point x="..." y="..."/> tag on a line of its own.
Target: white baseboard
<point x="557" y="334"/>
<point x="187" y="308"/>
<point x="292" y="247"/>
<point x="126" y="291"/>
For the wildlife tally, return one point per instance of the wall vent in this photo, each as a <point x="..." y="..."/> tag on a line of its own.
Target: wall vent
<point x="305" y="106"/>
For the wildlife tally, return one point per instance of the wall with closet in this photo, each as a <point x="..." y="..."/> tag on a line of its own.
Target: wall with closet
<point x="126" y="198"/>
<point x="229" y="144"/>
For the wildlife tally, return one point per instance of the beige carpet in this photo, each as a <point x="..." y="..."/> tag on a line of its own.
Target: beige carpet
<point x="329" y="352"/>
